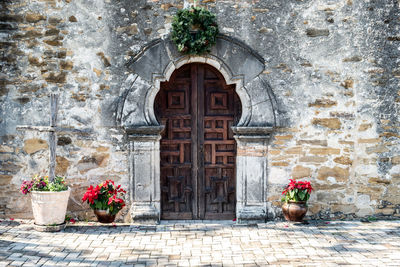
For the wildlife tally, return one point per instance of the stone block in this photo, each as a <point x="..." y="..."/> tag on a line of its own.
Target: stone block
<point x="323" y="103"/>
<point x="87" y="163"/>
<point x="52" y="77"/>
<point x="294" y="151"/>
<point x="344" y="208"/>
<point x="376" y="149"/>
<point x="314" y="208"/>
<point x="328" y="187"/>
<point x="312" y="142"/>
<point x="51" y="32"/>
<point x="33" y="145"/>
<point x="300" y="172"/>
<point x="313" y="159"/>
<point x="331" y="123"/>
<point x="395" y="160"/>
<point x="374" y="191"/>
<point x="5" y="148"/>
<point x="7" y="166"/>
<point x="325" y="151"/>
<point x="72" y="19"/>
<point x="389" y="134"/>
<point x="66" y="65"/>
<point x="343" y="160"/>
<point x="345" y="115"/>
<point x="328" y="197"/>
<point x="386" y="211"/>
<point x="62" y="165"/>
<point x="98" y="72"/>
<point x="283" y="137"/>
<point x="130" y="30"/>
<point x="368" y="140"/>
<point x="377" y="180"/>
<point x="104" y="59"/>
<point x="274" y="152"/>
<point x="54" y="20"/>
<point x="364" y="127"/>
<point x="352" y="59"/>
<point x="34" y="17"/>
<point x="348" y="83"/>
<point x="32" y="34"/>
<point x="280" y="163"/>
<point x="10" y="18"/>
<point x="63" y="141"/>
<point x="339" y="174"/>
<point x="53" y="42"/>
<point x="5" y="179"/>
<point x="312" y="32"/>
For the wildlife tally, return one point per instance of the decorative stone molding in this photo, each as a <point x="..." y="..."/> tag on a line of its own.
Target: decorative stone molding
<point x="239" y="65"/>
<point x="251" y="173"/>
<point x="144" y="155"/>
<point x="237" y="62"/>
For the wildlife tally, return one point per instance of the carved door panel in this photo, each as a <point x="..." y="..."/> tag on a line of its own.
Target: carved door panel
<point x="198" y="152"/>
<point x="221" y="110"/>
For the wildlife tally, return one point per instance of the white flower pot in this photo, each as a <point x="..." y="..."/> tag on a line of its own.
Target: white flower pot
<point x="49" y="208"/>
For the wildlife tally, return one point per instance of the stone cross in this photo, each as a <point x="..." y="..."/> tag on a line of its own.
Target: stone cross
<point x="52" y="134"/>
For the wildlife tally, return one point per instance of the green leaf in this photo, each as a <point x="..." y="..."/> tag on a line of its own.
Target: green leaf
<point x="189" y="42"/>
<point x="302" y="195"/>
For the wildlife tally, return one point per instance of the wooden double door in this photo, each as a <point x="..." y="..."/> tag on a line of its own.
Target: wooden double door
<point x="197" y="149"/>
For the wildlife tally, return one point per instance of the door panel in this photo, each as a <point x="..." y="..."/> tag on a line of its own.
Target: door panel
<point x="221" y="109"/>
<point x="198" y="152"/>
<point x="174" y="111"/>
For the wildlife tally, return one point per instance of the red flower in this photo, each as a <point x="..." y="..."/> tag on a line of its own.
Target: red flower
<point x="301" y="186"/>
<point x="105" y="195"/>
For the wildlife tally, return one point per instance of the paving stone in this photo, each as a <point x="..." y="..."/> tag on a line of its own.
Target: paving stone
<point x="208" y="243"/>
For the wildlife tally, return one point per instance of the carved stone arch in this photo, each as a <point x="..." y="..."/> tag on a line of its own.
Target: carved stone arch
<point x="239" y="65"/>
<point x="237" y="62"/>
<point x="216" y="63"/>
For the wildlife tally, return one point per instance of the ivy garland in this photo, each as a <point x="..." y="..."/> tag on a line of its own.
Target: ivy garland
<point x="194" y="30"/>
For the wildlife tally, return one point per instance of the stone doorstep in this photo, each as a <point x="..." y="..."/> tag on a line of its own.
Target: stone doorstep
<point x="310" y="224"/>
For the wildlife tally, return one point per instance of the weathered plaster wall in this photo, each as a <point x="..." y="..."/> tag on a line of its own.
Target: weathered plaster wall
<point x="333" y="67"/>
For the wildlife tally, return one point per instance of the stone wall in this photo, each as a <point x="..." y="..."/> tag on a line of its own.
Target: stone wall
<point x="332" y="65"/>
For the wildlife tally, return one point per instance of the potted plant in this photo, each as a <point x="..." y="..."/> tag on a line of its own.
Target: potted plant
<point x="49" y="199"/>
<point x="106" y="200"/>
<point x="296" y="194"/>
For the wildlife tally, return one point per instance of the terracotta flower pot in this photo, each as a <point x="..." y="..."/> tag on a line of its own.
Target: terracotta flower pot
<point x="49" y="208"/>
<point x="294" y="211"/>
<point x="103" y="216"/>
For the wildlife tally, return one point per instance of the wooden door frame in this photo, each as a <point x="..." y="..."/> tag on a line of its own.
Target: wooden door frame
<point x="202" y="173"/>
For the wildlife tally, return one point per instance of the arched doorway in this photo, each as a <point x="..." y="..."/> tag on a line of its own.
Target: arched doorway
<point x="240" y="65"/>
<point x="197" y="147"/>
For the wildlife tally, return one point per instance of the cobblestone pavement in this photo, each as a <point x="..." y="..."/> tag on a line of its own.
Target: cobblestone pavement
<point x="205" y="243"/>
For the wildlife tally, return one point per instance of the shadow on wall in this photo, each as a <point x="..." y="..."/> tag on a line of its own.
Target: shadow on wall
<point x="9" y="50"/>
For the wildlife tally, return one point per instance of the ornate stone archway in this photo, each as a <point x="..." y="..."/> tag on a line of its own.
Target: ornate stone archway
<point x="239" y="65"/>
